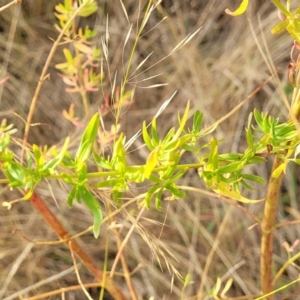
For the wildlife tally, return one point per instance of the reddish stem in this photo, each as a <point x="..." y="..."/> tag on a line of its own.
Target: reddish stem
<point x="54" y="223"/>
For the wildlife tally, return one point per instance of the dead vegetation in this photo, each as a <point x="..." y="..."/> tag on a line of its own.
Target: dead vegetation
<point x="201" y="235"/>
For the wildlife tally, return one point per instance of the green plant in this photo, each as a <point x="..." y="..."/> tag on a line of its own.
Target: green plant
<point x="224" y="173"/>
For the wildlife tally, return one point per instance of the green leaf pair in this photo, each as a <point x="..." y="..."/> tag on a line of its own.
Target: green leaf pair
<point x="80" y="193"/>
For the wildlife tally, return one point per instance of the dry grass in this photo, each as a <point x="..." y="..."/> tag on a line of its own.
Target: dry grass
<point x="216" y="71"/>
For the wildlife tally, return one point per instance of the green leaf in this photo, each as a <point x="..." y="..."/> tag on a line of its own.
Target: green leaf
<point x="38" y="156"/>
<point x="7" y="157"/>
<point x="175" y="191"/>
<point x="61" y="8"/>
<point x="254" y="178"/>
<point x="152" y="162"/>
<point x="155" y="138"/>
<point x="88" y="9"/>
<point x="147" y="138"/>
<point x="117" y="194"/>
<point x="169" y="136"/>
<point x="281" y="7"/>
<point x="88" y="138"/>
<point x="149" y="195"/>
<point x="16" y="172"/>
<point x="212" y="163"/>
<point x="256" y="160"/>
<point x="108" y="183"/>
<point x="281" y="168"/>
<point x="173" y="145"/>
<point x="101" y="162"/>
<point x="158" y="199"/>
<point x="68" y="56"/>
<point x="189" y="148"/>
<point x="187" y="280"/>
<point x="52" y="164"/>
<point x="240" y="10"/>
<point x="246" y="185"/>
<point x="280" y="27"/>
<point x="182" y="122"/>
<point x="197" y="120"/>
<point x="94" y="206"/>
<point x="71" y="196"/>
<point x="119" y="155"/>
<point x="29" y="160"/>
<point x="250" y="141"/>
<point x="166" y="174"/>
<point x="231" y="156"/>
<point x="177" y="176"/>
<point x="265" y="124"/>
<point x="28" y="194"/>
<point x="136" y="175"/>
<point x="226" y="190"/>
<point x="209" y="130"/>
<point x="4" y="142"/>
<point x="258" y="118"/>
<point x="81" y="173"/>
<point x="231" y="168"/>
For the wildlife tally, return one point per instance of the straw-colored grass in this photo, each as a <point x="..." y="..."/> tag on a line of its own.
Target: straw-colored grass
<point x="201" y="235"/>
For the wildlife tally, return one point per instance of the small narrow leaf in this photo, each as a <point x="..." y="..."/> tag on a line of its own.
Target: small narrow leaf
<point x="175" y="191"/>
<point x="249" y="138"/>
<point x="182" y="122"/>
<point x="102" y="162"/>
<point x="178" y="175"/>
<point x="88" y="138"/>
<point x="158" y="199"/>
<point x="174" y="144"/>
<point x="240" y="10"/>
<point x="94" y="206"/>
<point x="15" y="172"/>
<point x="254" y="178"/>
<point x="226" y="190"/>
<point x="246" y="185"/>
<point x="149" y="195"/>
<point x="187" y="280"/>
<point x="231" y="168"/>
<point x="68" y="56"/>
<point x="147" y="138"/>
<point x="39" y="160"/>
<point x="277" y="172"/>
<point x="169" y="135"/>
<point x="71" y="196"/>
<point x="88" y="10"/>
<point x="189" y="148"/>
<point x="197" y="121"/>
<point x="155" y="137"/>
<point x="52" y="164"/>
<point x="280" y="27"/>
<point x="119" y="155"/>
<point x="213" y="155"/>
<point x="258" y="118"/>
<point x="152" y="162"/>
<point x="117" y="195"/>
